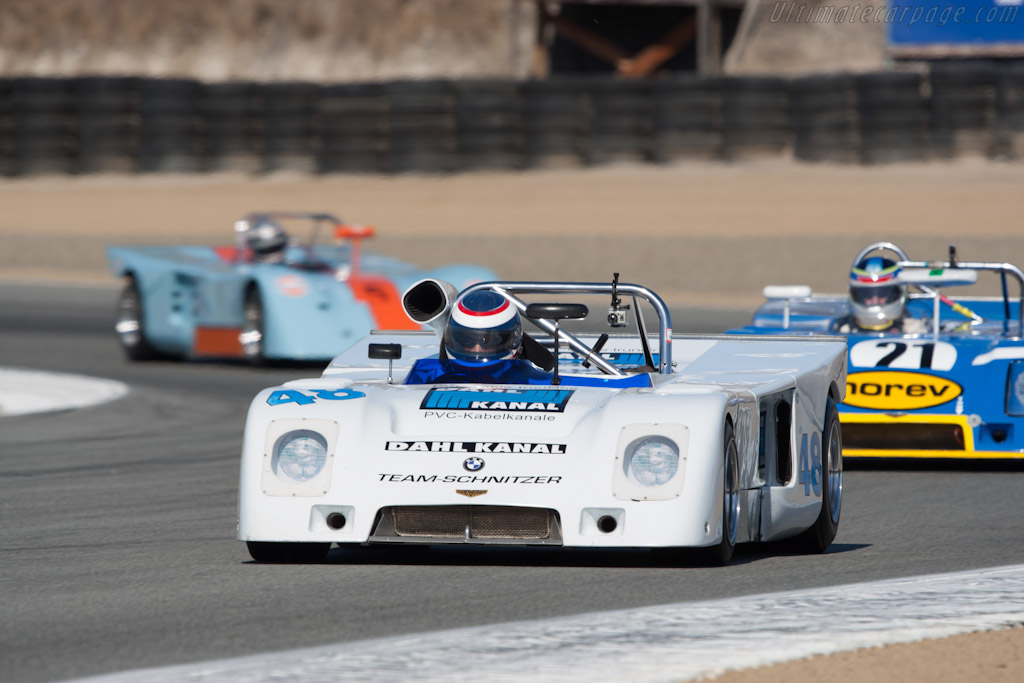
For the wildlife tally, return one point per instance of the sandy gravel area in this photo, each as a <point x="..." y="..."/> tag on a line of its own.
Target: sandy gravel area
<point x="710" y="234"/>
<point x="990" y="657"/>
<point x="701" y="234"/>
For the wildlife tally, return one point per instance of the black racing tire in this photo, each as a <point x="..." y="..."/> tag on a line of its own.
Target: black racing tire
<point x="130" y="324"/>
<point x="721" y="553"/>
<point x="819" y="537"/>
<point x="252" y="336"/>
<point x="288" y="553"/>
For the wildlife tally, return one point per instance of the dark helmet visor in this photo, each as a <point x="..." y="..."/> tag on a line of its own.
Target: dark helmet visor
<point x="487" y="344"/>
<point x="876" y="296"/>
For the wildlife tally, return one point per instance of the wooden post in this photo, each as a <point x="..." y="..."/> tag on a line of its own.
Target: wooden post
<point x="709" y="39"/>
<point x="541" y="66"/>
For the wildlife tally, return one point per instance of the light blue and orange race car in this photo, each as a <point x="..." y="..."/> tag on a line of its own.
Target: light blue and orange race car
<point x="267" y="296"/>
<point x="930" y="375"/>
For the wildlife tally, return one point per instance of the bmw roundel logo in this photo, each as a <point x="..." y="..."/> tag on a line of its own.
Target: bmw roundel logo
<point x="473" y="464"/>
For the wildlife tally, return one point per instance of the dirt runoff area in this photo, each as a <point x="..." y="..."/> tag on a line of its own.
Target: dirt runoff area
<point x="702" y="235"/>
<point x="698" y="234"/>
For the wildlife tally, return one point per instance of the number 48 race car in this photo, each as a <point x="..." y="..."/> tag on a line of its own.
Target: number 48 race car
<point x="685" y="446"/>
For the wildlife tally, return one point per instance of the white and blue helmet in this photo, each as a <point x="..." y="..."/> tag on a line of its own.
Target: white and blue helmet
<point x="483" y="327"/>
<point x="876" y="295"/>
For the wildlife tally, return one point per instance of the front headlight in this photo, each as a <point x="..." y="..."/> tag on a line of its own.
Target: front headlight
<point x="299" y="455"/>
<point x="1015" y="389"/>
<point x="652" y="460"/>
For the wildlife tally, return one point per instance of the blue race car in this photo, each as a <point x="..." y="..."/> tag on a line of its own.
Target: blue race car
<point x="267" y="296"/>
<point x="930" y="375"/>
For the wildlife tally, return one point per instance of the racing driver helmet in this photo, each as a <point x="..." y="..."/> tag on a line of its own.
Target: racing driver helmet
<point x="483" y="327"/>
<point x="875" y="294"/>
<point x="268" y="241"/>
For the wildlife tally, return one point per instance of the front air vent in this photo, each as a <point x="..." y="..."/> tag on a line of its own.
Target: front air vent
<point x="903" y="436"/>
<point x="467" y="524"/>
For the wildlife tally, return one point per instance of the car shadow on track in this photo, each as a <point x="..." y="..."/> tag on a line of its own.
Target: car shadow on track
<point x="477" y="556"/>
<point x="934" y="465"/>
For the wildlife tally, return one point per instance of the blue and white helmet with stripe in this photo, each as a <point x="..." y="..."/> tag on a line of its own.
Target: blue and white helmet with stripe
<point x="876" y="296"/>
<point x="483" y="327"/>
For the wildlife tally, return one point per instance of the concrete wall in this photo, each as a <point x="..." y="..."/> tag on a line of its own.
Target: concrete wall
<point x="795" y="37"/>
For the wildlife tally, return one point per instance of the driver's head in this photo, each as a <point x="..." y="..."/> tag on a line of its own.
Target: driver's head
<point x="267" y="241"/>
<point x="875" y="294"/>
<point x="484" y="326"/>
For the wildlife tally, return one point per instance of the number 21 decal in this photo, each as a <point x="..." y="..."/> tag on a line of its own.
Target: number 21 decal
<point x="906" y="354"/>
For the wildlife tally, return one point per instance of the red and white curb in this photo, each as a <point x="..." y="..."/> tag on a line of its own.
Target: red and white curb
<point x="33" y="391"/>
<point x="677" y="642"/>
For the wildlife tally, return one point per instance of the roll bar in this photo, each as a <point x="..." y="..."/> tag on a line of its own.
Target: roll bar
<point x="510" y="289"/>
<point x="1003" y="269"/>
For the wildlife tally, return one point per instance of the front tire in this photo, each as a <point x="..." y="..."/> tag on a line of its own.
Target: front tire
<point x="130" y="324"/>
<point x="288" y="553"/>
<point x="819" y="537"/>
<point x="252" y="328"/>
<point x="721" y="553"/>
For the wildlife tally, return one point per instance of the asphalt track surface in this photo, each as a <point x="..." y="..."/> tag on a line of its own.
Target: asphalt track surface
<point x="117" y="546"/>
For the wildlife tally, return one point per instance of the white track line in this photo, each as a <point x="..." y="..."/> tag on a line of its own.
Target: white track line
<point x="665" y="643"/>
<point x="34" y="391"/>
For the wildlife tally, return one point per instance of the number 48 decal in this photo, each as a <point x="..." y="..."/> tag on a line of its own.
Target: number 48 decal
<point x="283" y="396"/>
<point x="810" y="464"/>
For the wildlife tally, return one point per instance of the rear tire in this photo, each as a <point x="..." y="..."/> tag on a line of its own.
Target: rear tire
<point x="130" y="324"/>
<point x="252" y="328"/>
<point x="819" y="537"/>
<point x="288" y="553"/>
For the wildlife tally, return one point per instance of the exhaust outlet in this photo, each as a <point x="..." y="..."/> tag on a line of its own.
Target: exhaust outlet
<point x="429" y="301"/>
<point x="336" y="520"/>
<point x="607" y="524"/>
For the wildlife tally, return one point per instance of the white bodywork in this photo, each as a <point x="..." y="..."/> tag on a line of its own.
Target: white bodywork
<point x="385" y="448"/>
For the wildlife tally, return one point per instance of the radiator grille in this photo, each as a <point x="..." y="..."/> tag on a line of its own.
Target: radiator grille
<point x="467" y="522"/>
<point x="903" y="436"/>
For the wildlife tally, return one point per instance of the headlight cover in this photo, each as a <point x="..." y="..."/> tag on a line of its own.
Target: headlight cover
<point x="299" y="455"/>
<point x="652" y="460"/>
<point x="1015" y="389"/>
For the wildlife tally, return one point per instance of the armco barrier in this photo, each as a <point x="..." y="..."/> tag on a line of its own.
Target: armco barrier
<point x="112" y="124"/>
<point x="290" y="127"/>
<point x="555" y="123"/>
<point x="489" y="125"/>
<point x="686" y="119"/>
<point x="422" y="126"/>
<point x="963" y="109"/>
<point x="107" y="134"/>
<point x="755" y="117"/>
<point x="353" y="128"/>
<point x="42" y="125"/>
<point x="824" y="118"/>
<point x="6" y="132"/>
<point x="1010" y="112"/>
<point x="892" y="117"/>
<point x="620" y="121"/>
<point x="232" y="131"/>
<point x="170" y="127"/>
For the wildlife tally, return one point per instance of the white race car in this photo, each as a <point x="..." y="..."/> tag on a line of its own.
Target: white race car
<point x="685" y="446"/>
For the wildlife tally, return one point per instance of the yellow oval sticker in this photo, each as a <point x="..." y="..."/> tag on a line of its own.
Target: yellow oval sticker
<point x="894" y="390"/>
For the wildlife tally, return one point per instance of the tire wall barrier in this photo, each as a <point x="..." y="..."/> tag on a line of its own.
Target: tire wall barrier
<point x="127" y="125"/>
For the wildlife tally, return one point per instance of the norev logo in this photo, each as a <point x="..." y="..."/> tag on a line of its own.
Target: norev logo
<point x="898" y="390"/>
